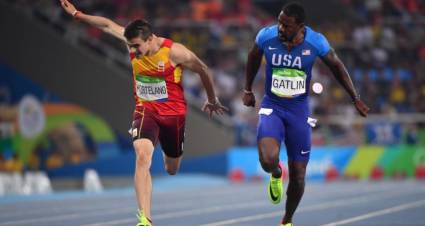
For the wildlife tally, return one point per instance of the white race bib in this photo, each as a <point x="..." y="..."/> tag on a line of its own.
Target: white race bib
<point x="287" y="82"/>
<point x="151" y="88"/>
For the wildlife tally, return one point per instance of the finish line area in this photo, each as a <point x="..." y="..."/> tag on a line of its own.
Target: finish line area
<point x="197" y="203"/>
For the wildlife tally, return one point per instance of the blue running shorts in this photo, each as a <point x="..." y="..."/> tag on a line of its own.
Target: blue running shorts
<point x="292" y="126"/>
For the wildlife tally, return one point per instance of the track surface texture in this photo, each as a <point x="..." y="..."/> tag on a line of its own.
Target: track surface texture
<point x="203" y="204"/>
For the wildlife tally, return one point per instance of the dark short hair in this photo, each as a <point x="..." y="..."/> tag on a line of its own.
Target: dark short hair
<point x="295" y="10"/>
<point x="138" y="28"/>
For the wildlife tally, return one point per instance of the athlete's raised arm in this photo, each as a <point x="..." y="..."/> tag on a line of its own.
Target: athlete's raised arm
<point x="254" y="61"/>
<point x="341" y="74"/>
<point x="102" y="23"/>
<point x="180" y="55"/>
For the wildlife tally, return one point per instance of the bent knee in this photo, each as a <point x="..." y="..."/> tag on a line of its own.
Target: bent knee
<point x="269" y="163"/>
<point x="143" y="161"/>
<point x="266" y="166"/>
<point x="144" y="150"/>
<point x="171" y="170"/>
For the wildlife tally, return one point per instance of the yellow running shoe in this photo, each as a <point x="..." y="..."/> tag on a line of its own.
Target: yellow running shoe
<point x="143" y="220"/>
<point x="275" y="190"/>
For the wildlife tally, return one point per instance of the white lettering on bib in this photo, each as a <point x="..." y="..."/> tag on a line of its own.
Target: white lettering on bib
<point x="151" y="88"/>
<point x="287" y="82"/>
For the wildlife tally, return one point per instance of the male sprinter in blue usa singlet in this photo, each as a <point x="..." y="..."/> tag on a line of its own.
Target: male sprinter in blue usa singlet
<point x="290" y="49"/>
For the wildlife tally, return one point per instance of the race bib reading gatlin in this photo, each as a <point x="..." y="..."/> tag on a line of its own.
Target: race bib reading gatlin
<point x="287" y="82"/>
<point x="151" y="88"/>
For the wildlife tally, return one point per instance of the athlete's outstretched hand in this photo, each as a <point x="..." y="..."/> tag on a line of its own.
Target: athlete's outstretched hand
<point x="361" y="107"/>
<point x="215" y="107"/>
<point x="68" y="7"/>
<point x="249" y="99"/>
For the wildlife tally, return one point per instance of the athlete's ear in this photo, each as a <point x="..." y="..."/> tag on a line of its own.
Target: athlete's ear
<point x="280" y="14"/>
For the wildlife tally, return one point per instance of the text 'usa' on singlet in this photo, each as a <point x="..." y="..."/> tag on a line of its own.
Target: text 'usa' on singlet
<point x="288" y="71"/>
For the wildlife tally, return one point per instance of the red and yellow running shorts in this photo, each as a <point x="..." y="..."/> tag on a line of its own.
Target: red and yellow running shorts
<point x="168" y="129"/>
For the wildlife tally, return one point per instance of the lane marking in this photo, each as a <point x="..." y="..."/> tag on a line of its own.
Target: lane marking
<point x="77" y="205"/>
<point x="390" y="210"/>
<point x="322" y="206"/>
<point x="327" y="205"/>
<point x="193" y="212"/>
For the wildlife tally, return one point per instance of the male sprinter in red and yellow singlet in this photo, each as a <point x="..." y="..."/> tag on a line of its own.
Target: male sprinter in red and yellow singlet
<point x="160" y="105"/>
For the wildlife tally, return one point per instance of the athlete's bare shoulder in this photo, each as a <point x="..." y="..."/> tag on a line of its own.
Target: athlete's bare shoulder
<point x="179" y="53"/>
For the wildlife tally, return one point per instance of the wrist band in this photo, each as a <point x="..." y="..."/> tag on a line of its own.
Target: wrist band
<point x="247" y="91"/>
<point x="356" y="98"/>
<point x="75" y="13"/>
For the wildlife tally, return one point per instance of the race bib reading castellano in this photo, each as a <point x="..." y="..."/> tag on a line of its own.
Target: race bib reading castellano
<point x="287" y="82"/>
<point x="150" y="88"/>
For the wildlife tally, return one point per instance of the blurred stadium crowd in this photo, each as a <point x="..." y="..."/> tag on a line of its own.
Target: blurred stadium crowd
<point x="382" y="43"/>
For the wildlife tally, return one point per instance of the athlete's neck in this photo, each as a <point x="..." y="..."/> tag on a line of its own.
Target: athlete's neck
<point x="298" y="39"/>
<point x="156" y="45"/>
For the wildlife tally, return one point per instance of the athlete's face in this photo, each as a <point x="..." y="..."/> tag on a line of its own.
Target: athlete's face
<point x="138" y="46"/>
<point x="288" y="27"/>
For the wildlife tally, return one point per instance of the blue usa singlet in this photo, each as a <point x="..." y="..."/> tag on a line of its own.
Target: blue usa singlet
<point x="284" y="109"/>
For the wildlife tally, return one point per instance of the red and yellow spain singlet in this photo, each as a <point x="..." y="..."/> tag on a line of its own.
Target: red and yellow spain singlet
<point x="157" y="83"/>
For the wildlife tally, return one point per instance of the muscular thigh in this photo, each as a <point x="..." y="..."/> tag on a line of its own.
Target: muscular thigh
<point x="297" y="137"/>
<point x="270" y="125"/>
<point x="270" y="132"/>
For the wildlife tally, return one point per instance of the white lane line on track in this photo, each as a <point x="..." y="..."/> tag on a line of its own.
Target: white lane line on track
<point x="129" y="220"/>
<point x="390" y="210"/>
<point x="156" y="217"/>
<point x="105" y="209"/>
<point x="78" y="206"/>
<point x="190" y="212"/>
<point x="326" y="205"/>
<point x="322" y="206"/>
<point x="217" y="209"/>
<point x="209" y="195"/>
